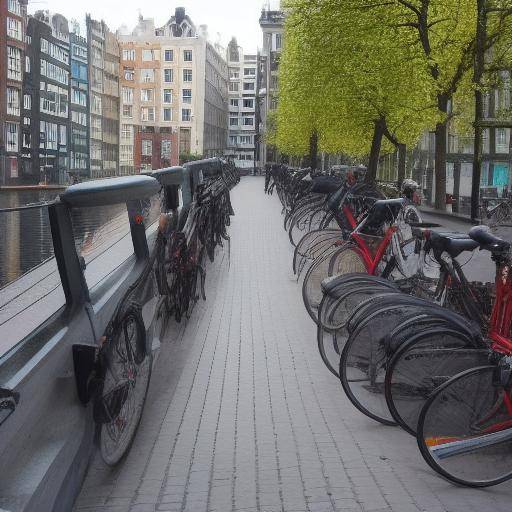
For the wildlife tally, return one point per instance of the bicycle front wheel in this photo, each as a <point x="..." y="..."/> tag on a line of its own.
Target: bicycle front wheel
<point x="465" y="429"/>
<point x="118" y="409"/>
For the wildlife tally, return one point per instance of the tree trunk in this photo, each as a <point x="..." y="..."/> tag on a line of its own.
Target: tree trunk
<point x="313" y="151"/>
<point x="440" y="154"/>
<point x="478" y="71"/>
<point x="373" y="163"/>
<point x="402" y="159"/>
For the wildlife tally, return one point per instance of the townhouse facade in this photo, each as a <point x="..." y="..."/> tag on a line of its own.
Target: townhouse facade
<point x="173" y="94"/>
<point x="103" y="77"/>
<point x="272" y="26"/>
<point x="243" y="83"/>
<point x="12" y="64"/>
<point x="46" y="112"/>
<point x="79" y="137"/>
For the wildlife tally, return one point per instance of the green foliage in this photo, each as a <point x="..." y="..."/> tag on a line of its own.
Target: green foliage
<point x="189" y="157"/>
<point x="346" y="64"/>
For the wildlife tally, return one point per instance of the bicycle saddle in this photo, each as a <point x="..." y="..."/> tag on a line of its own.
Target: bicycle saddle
<point x="452" y="243"/>
<point x="486" y="240"/>
<point x="383" y="210"/>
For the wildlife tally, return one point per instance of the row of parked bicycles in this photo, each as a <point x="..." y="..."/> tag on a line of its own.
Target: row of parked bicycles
<point x="413" y="341"/>
<point x="195" y="211"/>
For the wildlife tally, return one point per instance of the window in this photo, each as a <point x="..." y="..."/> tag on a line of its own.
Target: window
<point x="26" y="140"/>
<point x="234" y="73"/>
<point x="234" y="87"/>
<point x="62" y="135"/>
<point x="245" y="139"/>
<point x="165" y="149"/>
<point x="233" y="121"/>
<point x="126" y="153"/>
<point x="129" y="54"/>
<point x="502" y="140"/>
<point x="147" y="75"/>
<point x="248" y="103"/>
<point x="54" y="72"/>
<point x="169" y="55"/>
<point x="187" y="55"/>
<point x="279" y="41"/>
<point x="185" y="114"/>
<point x="126" y="131"/>
<point x="11" y="136"/>
<point x="54" y="101"/>
<point x="79" y="117"/>
<point x="168" y="75"/>
<point x="127" y="94"/>
<point x="146" y="94"/>
<point x="250" y="72"/>
<point x="187" y="96"/>
<point x="147" y="147"/>
<point x="187" y="75"/>
<point x="14" y="28"/>
<point x="248" y="121"/>
<point x="13" y="63"/>
<point x="167" y="95"/>
<point x="27" y="101"/>
<point x="13" y="101"/>
<point x="248" y="86"/>
<point x="129" y="74"/>
<point x="55" y="51"/>
<point x="147" y="114"/>
<point x="78" y="97"/>
<point x="232" y="140"/>
<point x="127" y="111"/>
<point x="27" y="64"/>
<point x="14" y="7"/>
<point x="233" y="102"/>
<point x="167" y="114"/>
<point x="148" y="55"/>
<point x="50" y="135"/>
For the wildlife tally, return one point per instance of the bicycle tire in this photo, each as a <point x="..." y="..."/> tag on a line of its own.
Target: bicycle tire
<point x="112" y="451"/>
<point x="448" y="437"/>
<point x="311" y="288"/>
<point x="421" y="364"/>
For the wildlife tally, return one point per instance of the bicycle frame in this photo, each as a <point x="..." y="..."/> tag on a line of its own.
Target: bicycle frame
<point x="372" y="262"/>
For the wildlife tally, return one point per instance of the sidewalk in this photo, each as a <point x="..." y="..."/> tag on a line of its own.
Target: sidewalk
<point x="242" y="415"/>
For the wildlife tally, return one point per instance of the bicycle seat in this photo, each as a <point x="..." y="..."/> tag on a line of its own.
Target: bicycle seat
<point x="452" y="243"/>
<point x="486" y="240"/>
<point x="383" y="210"/>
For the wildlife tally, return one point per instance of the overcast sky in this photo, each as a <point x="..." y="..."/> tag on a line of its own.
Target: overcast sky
<point x="237" y="18"/>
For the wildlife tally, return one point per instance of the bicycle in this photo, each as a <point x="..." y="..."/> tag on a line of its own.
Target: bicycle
<point x="465" y="426"/>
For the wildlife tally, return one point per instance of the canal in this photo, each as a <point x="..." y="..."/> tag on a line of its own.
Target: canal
<point x="25" y="237"/>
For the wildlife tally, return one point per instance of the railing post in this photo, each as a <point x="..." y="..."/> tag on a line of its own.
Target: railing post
<point x="68" y="262"/>
<point x="137" y="228"/>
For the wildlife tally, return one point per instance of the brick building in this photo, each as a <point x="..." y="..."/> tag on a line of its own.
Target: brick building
<point x="12" y="65"/>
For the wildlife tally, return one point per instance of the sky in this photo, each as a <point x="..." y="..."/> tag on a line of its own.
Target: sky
<point x="238" y="18"/>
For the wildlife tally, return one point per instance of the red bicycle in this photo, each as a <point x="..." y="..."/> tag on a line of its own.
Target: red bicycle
<point x="380" y="245"/>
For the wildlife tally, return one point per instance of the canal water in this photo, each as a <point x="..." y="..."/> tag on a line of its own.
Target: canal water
<point x="25" y="237"/>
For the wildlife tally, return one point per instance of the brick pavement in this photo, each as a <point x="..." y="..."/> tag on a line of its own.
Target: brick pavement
<point x="242" y="416"/>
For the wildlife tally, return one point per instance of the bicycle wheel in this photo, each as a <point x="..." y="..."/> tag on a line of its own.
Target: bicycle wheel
<point x="127" y="366"/>
<point x="349" y="261"/>
<point x="465" y="429"/>
<point x="365" y="356"/>
<point x="420" y="365"/>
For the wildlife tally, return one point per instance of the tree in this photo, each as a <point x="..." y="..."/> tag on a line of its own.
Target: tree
<point x="343" y="79"/>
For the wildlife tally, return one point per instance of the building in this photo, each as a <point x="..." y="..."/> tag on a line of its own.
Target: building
<point x="272" y="26"/>
<point x="46" y="112"/>
<point x="103" y="76"/>
<point x="12" y="65"/>
<point x="173" y="94"/>
<point x="79" y="137"/>
<point x="242" y="70"/>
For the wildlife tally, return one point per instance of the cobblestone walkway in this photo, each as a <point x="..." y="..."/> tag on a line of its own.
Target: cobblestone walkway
<point x="242" y="415"/>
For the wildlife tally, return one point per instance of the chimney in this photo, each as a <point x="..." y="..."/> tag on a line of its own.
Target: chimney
<point x="179" y="15"/>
